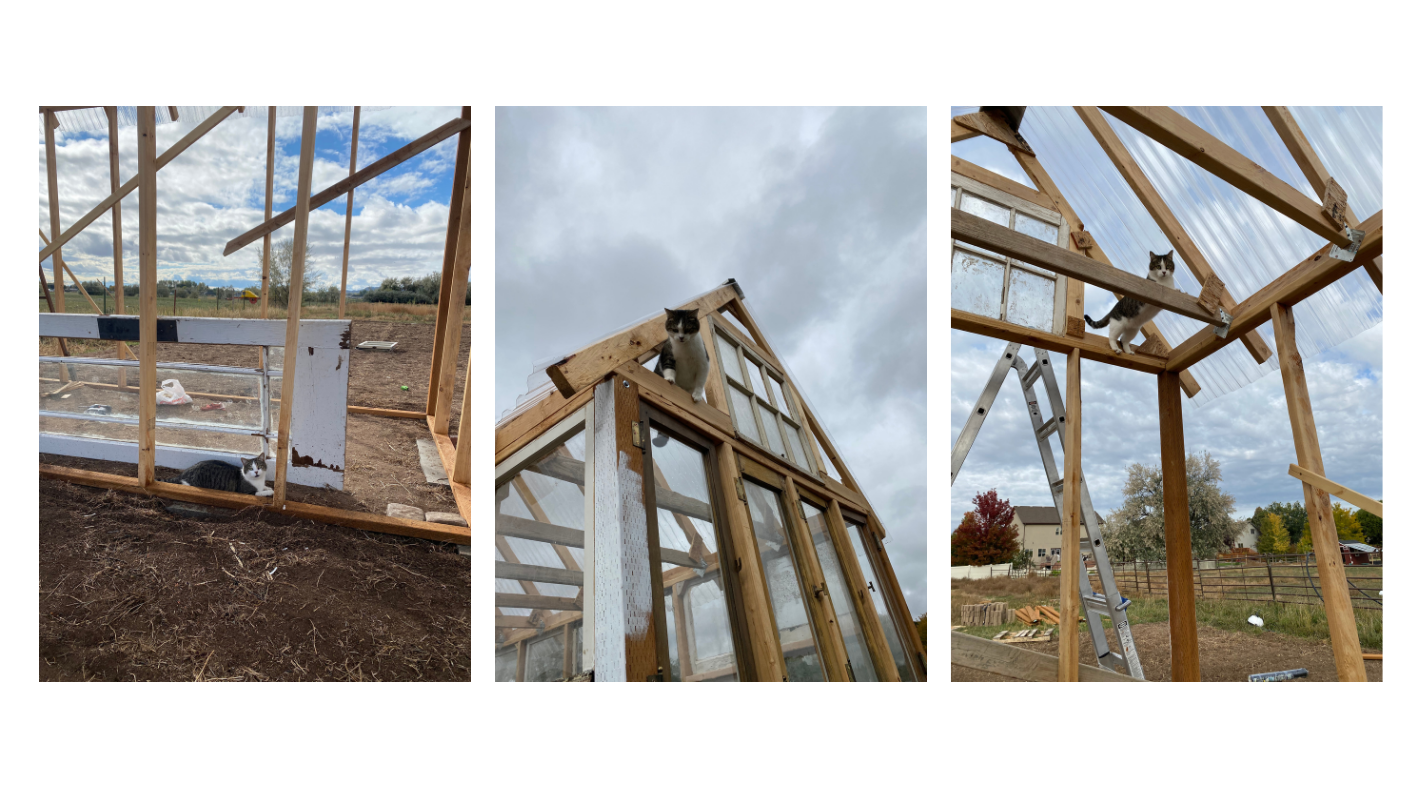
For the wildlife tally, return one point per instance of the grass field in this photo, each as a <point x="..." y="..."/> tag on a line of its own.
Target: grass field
<point x="1306" y="621"/>
<point x="74" y="303"/>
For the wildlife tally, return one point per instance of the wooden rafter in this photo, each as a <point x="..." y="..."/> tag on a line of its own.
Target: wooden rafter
<point x="1091" y="346"/>
<point x="961" y="132"/>
<point x="1162" y="216"/>
<point x="1333" y="488"/>
<point x="994" y="125"/>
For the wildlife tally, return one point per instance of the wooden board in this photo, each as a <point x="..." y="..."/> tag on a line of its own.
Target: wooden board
<point x="1018" y="663"/>
<point x="1091" y="346"/>
<point x="1177" y="527"/>
<point x="1333" y="488"/>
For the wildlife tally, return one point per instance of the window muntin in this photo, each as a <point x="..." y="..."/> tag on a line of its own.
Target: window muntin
<point x="887" y="623"/>
<point x="862" y="668"/>
<point x="760" y="406"/>
<point x="787" y="596"/>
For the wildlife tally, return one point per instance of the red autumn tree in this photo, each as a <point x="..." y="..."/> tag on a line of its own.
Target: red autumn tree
<point x="986" y="535"/>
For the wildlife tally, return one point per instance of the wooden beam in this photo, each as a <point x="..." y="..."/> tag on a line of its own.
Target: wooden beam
<point x="1333" y="488"/>
<point x="526" y="427"/>
<point x="461" y="493"/>
<point x="294" y="303"/>
<point x="521" y="528"/>
<point x="994" y="237"/>
<point x="1091" y="346"/>
<point x="1332" y="577"/>
<point x="146" y="240"/>
<point x="1069" y="650"/>
<point x="459" y="186"/>
<point x="1312" y="167"/>
<point x="1177" y="527"/>
<point x="655" y="383"/>
<point x="989" y="178"/>
<point x="1303" y="280"/>
<point x="130" y="186"/>
<point x="881" y="656"/>
<point x="1162" y="216"/>
<point x="51" y="168"/>
<point x="346" y="184"/>
<point x="115" y="171"/>
<point x="462" y="471"/>
<point x="994" y="126"/>
<point x="452" y="331"/>
<point x="538" y="602"/>
<point x="349" y="209"/>
<point x="538" y="574"/>
<point x="831" y="647"/>
<point x="1192" y="143"/>
<point x="749" y="573"/>
<point x="264" y="295"/>
<point x="1018" y="663"/>
<point x="961" y="132"/>
<point x="584" y="368"/>
<point x="386" y="412"/>
<point x="363" y="521"/>
<point x="1075" y="289"/>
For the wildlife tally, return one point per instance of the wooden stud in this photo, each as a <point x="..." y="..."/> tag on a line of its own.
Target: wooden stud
<point x="1342" y="622"/>
<point x="462" y="465"/>
<point x="51" y="168"/>
<point x="263" y="295"/>
<point x="452" y="330"/>
<point x="146" y="239"/>
<point x="114" y="168"/>
<point x="749" y="572"/>
<point x="385" y="412"/>
<point x="1333" y="488"/>
<point x="294" y="303"/>
<point x="174" y="114"/>
<point x="1177" y="527"/>
<point x="349" y="209"/>
<point x="1069" y="651"/>
<point x="459" y="185"/>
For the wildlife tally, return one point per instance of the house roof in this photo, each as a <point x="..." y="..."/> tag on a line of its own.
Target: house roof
<point x="1247" y="245"/>
<point x="1043" y="515"/>
<point x="1358" y="546"/>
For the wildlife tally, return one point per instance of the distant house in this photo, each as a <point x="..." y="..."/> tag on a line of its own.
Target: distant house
<point x="1356" y="553"/>
<point x="1040" y="532"/>
<point x="1248" y="537"/>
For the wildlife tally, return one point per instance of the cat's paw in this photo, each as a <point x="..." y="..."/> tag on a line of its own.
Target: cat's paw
<point x="1130" y="351"/>
<point x="264" y="493"/>
<point x="697" y="395"/>
<point x="1115" y="348"/>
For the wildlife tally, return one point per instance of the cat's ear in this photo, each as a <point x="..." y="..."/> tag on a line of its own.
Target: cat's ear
<point x="1168" y="256"/>
<point x="670" y="312"/>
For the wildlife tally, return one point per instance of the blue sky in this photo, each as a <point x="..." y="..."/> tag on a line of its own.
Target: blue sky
<point x="1246" y="424"/>
<point x="214" y="191"/>
<point x="606" y="215"/>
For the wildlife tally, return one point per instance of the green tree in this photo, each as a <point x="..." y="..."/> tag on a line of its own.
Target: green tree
<point x="1134" y="532"/>
<point x="922" y="626"/>
<point x="1274" y="538"/>
<point x="1305" y="543"/>
<point x="986" y="535"/>
<point x="1371" y="527"/>
<point x="1296" y="519"/>
<point x="280" y="274"/>
<point x="1346" y="523"/>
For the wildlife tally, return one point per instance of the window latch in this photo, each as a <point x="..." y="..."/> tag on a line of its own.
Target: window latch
<point x="818" y="590"/>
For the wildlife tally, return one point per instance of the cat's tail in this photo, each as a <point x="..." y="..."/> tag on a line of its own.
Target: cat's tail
<point x="1089" y="321"/>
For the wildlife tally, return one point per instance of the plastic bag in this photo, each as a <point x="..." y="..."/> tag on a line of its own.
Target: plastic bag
<point x="172" y="393"/>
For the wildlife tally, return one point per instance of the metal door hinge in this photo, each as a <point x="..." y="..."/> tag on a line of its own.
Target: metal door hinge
<point x="637" y="441"/>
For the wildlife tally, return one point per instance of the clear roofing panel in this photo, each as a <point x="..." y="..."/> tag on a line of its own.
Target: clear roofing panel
<point x="1247" y="244"/>
<point x="94" y="119"/>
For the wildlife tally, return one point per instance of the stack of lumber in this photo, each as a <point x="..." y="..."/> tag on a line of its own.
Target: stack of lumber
<point x="1024" y="636"/>
<point x="1035" y="614"/>
<point x="985" y="614"/>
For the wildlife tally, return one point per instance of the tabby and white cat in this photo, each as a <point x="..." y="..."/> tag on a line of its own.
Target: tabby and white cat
<point x="684" y="361"/>
<point x="1128" y="316"/>
<point x="251" y="479"/>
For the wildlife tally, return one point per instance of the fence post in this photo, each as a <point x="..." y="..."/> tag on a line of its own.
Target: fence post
<point x="1148" y="570"/>
<point x="1271" y="572"/>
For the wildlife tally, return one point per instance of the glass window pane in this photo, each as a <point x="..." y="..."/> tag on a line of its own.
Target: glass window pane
<point x="987" y="210"/>
<point x="771" y="436"/>
<point x="1037" y="229"/>
<point x="953" y="196"/>
<point x="698" y="618"/>
<point x="778" y="398"/>
<point x="756" y="379"/>
<point x="856" y="651"/>
<point x="576" y="633"/>
<point x="549" y="491"/>
<point x="977" y="284"/>
<point x="544" y="658"/>
<point x="897" y="647"/>
<point x="221" y="398"/>
<point x="506" y="664"/>
<point x="786" y="592"/>
<point x="800" y="455"/>
<point x="729" y="357"/>
<point x="743" y="412"/>
<point x="1031" y="300"/>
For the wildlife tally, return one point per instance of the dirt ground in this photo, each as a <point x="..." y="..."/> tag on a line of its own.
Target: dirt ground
<point x="129" y="591"/>
<point x="1225" y="656"/>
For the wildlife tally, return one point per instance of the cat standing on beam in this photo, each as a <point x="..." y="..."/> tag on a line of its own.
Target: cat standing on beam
<point x="684" y="360"/>
<point x="1129" y="316"/>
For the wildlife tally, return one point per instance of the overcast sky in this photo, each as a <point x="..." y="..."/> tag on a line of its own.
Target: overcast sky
<point x="604" y="216"/>
<point x="1247" y="429"/>
<point x="214" y="192"/>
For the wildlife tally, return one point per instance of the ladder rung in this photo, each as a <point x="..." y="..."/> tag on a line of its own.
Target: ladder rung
<point x="1047" y="429"/>
<point x="1031" y="376"/>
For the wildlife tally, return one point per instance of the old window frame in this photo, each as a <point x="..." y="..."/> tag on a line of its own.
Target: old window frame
<point x="795" y="417"/>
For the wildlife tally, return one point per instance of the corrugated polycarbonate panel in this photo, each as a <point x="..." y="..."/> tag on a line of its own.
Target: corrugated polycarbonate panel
<point x="1247" y="244"/>
<point x="94" y="119"/>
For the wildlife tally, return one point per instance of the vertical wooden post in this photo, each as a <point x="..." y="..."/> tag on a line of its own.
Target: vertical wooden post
<point x="884" y="659"/>
<point x="51" y="164"/>
<point x="114" y="167"/>
<point x="1182" y="605"/>
<point x="1342" y="622"/>
<point x="749" y="571"/>
<point x="446" y="353"/>
<point x="462" y="458"/>
<point x="146" y="239"/>
<point x="459" y="196"/>
<point x="831" y="648"/>
<point x="290" y="350"/>
<point x="263" y="294"/>
<point x="1069" y="666"/>
<point x="349" y="208"/>
<point x="1269" y="569"/>
<point x="627" y="573"/>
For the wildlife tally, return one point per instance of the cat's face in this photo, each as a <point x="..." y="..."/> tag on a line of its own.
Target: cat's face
<point x="1160" y="266"/>
<point x="255" y="468"/>
<point x="682" y="325"/>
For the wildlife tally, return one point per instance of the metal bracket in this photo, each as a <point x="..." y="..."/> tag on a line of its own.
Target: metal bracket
<point x="1348" y="254"/>
<point x="1222" y="331"/>
<point x="637" y="441"/>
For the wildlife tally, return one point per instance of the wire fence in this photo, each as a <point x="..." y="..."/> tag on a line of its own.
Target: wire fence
<point x="1290" y="579"/>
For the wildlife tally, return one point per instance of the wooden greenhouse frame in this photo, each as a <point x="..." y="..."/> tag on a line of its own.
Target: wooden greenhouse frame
<point x="1351" y="245"/>
<point x="606" y="390"/>
<point x="447" y="332"/>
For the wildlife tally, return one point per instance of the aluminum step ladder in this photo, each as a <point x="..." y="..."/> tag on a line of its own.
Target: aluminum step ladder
<point x="1097" y="606"/>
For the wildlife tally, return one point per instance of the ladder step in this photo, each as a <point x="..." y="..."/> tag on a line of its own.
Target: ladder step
<point x="1047" y="429"/>
<point x="1031" y="376"/>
